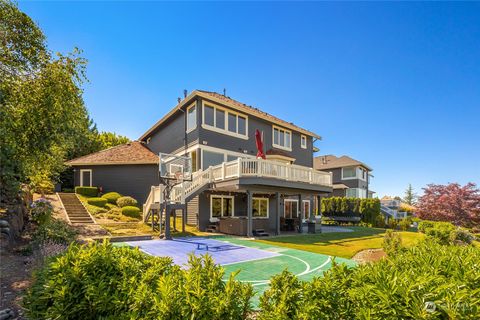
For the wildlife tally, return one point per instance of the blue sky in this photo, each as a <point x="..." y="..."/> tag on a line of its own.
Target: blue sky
<point x="395" y="85"/>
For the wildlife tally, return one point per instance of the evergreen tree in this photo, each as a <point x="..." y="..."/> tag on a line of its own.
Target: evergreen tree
<point x="410" y="196"/>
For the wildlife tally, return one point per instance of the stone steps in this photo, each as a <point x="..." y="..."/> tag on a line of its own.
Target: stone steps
<point x="76" y="212"/>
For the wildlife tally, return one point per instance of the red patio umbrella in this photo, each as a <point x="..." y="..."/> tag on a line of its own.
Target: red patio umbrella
<point x="259" y="142"/>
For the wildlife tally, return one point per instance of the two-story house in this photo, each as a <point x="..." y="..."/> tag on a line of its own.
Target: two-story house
<point x="241" y="193"/>
<point x="351" y="178"/>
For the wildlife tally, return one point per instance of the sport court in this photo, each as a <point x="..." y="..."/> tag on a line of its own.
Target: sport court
<point x="257" y="262"/>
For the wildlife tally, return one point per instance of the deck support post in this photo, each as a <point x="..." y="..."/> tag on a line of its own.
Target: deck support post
<point x="249" y="213"/>
<point x="277" y="218"/>
<point x="300" y="211"/>
<point x="184" y="217"/>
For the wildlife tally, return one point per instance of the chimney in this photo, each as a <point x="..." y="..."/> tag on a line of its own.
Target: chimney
<point x="185" y="93"/>
<point x="324" y="160"/>
<point x="179" y="99"/>
<point x="224" y="92"/>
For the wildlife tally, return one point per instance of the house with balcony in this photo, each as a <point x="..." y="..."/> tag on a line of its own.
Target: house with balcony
<point x="230" y="188"/>
<point x="350" y="177"/>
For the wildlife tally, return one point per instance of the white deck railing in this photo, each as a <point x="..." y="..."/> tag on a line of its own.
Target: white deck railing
<point x="242" y="168"/>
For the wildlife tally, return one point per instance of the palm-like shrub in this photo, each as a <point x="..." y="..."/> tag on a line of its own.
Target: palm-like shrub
<point x="100" y="281"/>
<point x="399" y="287"/>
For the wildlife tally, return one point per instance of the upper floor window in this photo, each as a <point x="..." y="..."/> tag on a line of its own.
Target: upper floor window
<point x="225" y="121"/>
<point x="303" y="141"/>
<point x="282" y="138"/>
<point x="354" y="173"/>
<point x="356" y="193"/>
<point x="191" y="118"/>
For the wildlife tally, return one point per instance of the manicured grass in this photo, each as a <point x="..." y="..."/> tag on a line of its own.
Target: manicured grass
<point x="140" y="228"/>
<point x="341" y="244"/>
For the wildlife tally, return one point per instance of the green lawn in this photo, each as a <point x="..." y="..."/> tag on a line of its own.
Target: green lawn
<point x="341" y="244"/>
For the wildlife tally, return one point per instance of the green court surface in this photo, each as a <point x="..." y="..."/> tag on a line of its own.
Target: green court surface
<point x="305" y="265"/>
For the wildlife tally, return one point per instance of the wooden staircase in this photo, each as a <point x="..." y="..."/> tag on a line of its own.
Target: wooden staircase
<point x="76" y="212"/>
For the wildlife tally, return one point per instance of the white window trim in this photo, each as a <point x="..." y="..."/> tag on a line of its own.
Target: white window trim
<point x="309" y="208"/>
<point x="284" y="137"/>
<point x="225" y="153"/>
<point x="193" y="105"/>
<point x="284" y="207"/>
<point x="222" y="197"/>
<point x="350" y="178"/>
<point x="227" y="111"/>
<point x="302" y="139"/>
<point x="357" y="193"/>
<point x="268" y="207"/>
<point x="81" y="177"/>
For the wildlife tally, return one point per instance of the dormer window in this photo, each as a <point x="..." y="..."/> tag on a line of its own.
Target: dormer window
<point x="282" y="138"/>
<point x="303" y="141"/>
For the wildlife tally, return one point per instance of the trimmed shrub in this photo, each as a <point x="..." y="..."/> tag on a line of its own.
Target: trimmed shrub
<point x="132" y="212"/>
<point x="399" y="287"/>
<point x="98" y="202"/>
<point x="423" y="225"/>
<point x="133" y="285"/>
<point x="392" y="242"/>
<point x="112" y="197"/>
<point x="87" y="191"/>
<point x="126" y="201"/>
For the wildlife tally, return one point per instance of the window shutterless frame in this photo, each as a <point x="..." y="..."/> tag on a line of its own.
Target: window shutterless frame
<point x="191" y="117"/>
<point x="222" y="209"/>
<point x="81" y="177"/>
<point x="259" y="200"/>
<point x="281" y="138"/>
<point x="228" y="116"/>
<point x="303" y="141"/>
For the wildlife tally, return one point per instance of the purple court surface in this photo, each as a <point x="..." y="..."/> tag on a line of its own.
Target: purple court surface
<point x="222" y="252"/>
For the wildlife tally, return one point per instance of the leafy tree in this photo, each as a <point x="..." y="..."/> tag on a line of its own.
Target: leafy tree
<point x="111" y="139"/>
<point x="410" y="196"/>
<point x="453" y="202"/>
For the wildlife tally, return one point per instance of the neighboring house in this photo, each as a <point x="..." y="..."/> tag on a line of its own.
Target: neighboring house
<point x="351" y="178"/>
<point x="237" y="191"/>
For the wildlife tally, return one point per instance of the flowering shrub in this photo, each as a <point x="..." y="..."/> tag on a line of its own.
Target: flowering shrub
<point x="41" y="210"/>
<point x="56" y="231"/>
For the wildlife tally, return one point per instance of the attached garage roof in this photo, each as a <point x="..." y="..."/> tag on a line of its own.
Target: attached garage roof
<point x="133" y="152"/>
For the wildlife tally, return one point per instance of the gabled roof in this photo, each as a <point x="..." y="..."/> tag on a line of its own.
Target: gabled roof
<point x="234" y="104"/>
<point x="332" y="162"/>
<point x="133" y="152"/>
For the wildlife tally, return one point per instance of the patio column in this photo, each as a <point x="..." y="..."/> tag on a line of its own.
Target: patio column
<point x="184" y="217"/>
<point x="249" y="213"/>
<point x="277" y="218"/>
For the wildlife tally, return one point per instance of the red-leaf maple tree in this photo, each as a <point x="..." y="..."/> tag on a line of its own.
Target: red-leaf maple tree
<point x="452" y="202"/>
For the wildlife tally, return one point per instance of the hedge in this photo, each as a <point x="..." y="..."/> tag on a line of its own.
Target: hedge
<point x="112" y="197"/>
<point x="100" y="281"/>
<point x="367" y="209"/>
<point x="99" y="202"/>
<point x="445" y="232"/>
<point x="130" y="211"/>
<point x="87" y="191"/>
<point x="126" y="201"/>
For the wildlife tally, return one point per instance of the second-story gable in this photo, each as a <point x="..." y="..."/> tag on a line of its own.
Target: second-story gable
<point x="223" y="126"/>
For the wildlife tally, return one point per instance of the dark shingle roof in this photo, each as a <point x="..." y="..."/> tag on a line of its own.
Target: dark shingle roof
<point x="333" y="162"/>
<point x="133" y="152"/>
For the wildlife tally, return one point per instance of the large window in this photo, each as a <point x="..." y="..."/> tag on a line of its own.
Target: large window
<point x="356" y="193"/>
<point x="221" y="206"/>
<point x="354" y="173"/>
<point x="210" y="158"/>
<point x="225" y="121"/>
<point x="291" y="209"/>
<point x="191" y="118"/>
<point x="260" y="207"/>
<point x="282" y="138"/>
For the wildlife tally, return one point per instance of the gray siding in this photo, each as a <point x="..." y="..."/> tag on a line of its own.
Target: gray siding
<point x="304" y="157"/>
<point x="170" y="136"/>
<point x="192" y="212"/>
<point x="131" y="180"/>
<point x="351" y="183"/>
